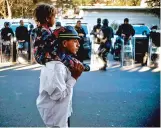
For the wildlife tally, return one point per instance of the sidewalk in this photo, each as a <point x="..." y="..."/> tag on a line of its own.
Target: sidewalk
<point x="6" y="64"/>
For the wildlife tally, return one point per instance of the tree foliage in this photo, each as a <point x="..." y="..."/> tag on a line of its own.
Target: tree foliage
<point x="24" y="8"/>
<point x="153" y="3"/>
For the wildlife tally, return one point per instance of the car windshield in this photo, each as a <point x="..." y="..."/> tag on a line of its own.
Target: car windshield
<point x="141" y="29"/>
<point x="85" y="28"/>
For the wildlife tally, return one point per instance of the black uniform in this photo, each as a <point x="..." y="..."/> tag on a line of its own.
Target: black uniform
<point x="22" y="33"/>
<point x="105" y="47"/>
<point x="95" y="32"/>
<point x="80" y="52"/>
<point x="4" y="33"/>
<point x="126" y="29"/>
<point x="98" y="26"/>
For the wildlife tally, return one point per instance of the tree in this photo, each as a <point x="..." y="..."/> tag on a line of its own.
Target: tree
<point x="153" y="3"/>
<point x="18" y="8"/>
<point x="5" y="6"/>
<point x="134" y="2"/>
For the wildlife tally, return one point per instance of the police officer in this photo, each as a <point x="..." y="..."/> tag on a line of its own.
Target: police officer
<point x="96" y="31"/>
<point x="105" y="42"/>
<point x="22" y="35"/>
<point x="82" y="35"/>
<point x="22" y="32"/>
<point x="125" y="30"/>
<point x="30" y="36"/>
<point x="6" y="32"/>
<point x="58" y="25"/>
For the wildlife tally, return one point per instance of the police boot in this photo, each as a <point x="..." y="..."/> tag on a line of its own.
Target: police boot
<point x="103" y="68"/>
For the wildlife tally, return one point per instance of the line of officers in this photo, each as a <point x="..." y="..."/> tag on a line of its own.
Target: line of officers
<point x="103" y="34"/>
<point x="22" y="35"/>
<point x="25" y="38"/>
<point x="102" y="37"/>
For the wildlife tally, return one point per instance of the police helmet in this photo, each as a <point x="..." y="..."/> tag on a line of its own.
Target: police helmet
<point x="6" y="23"/>
<point x="98" y="20"/>
<point x="105" y="21"/>
<point x="58" y="24"/>
<point x="68" y="32"/>
<point x="126" y="20"/>
<point x="31" y="26"/>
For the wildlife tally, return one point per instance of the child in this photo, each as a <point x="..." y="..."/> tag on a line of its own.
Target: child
<point x="44" y="39"/>
<point x="60" y="72"/>
<point x="56" y="82"/>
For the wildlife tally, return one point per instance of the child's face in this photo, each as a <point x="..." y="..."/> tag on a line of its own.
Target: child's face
<point x="51" y="20"/>
<point x="71" y="45"/>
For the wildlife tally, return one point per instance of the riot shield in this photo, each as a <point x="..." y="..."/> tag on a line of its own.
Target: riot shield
<point x="154" y="54"/>
<point x="6" y="51"/>
<point x="128" y="52"/>
<point x="23" y="51"/>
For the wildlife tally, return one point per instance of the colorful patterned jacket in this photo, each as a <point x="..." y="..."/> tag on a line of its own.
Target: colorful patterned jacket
<point x="45" y="48"/>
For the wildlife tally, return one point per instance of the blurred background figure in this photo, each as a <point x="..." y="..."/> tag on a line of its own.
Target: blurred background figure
<point x="58" y="25"/>
<point x="6" y="36"/>
<point x="82" y="35"/>
<point x="96" y="31"/>
<point x="6" y="32"/>
<point x="30" y="32"/>
<point x="22" y="36"/>
<point x="105" y="45"/>
<point x="125" y="30"/>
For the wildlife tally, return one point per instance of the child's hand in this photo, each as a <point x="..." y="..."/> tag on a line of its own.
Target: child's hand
<point x="81" y="34"/>
<point x="77" y="70"/>
<point x="57" y="31"/>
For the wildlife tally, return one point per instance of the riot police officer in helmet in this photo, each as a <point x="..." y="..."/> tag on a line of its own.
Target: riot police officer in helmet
<point x="125" y="30"/>
<point x="105" y="42"/>
<point x="6" y="32"/>
<point x="96" y="31"/>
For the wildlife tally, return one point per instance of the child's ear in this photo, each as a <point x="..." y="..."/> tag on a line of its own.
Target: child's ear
<point x="47" y="19"/>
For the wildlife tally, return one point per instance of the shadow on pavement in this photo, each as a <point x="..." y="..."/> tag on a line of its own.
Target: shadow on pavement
<point x="154" y="119"/>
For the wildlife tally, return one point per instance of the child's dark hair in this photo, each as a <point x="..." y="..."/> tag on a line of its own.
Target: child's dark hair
<point x="43" y="11"/>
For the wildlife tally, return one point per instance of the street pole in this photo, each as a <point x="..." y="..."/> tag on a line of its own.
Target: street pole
<point x="1" y="49"/>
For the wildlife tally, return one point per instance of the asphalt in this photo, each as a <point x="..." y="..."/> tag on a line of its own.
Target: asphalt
<point x="118" y="97"/>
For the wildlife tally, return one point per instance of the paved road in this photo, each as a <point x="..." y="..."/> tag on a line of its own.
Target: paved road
<point x="128" y="97"/>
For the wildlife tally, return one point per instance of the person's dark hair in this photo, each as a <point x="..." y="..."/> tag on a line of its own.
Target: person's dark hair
<point x="99" y="20"/>
<point x="58" y="23"/>
<point x="21" y="21"/>
<point x="42" y="12"/>
<point x="78" y="21"/>
<point x="105" y="22"/>
<point x="31" y="26"/>
<point x="6" y="23"/>
<point x="126" y="20"/>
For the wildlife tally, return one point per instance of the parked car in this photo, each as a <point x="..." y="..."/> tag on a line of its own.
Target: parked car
<point x="141" y="42"/>
<point x="87" y="40"/>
